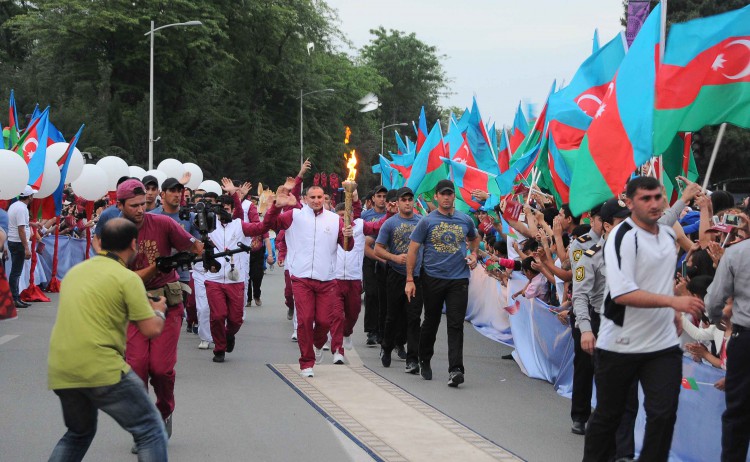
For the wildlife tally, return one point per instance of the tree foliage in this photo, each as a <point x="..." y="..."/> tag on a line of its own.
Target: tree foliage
<point x="226" y="95"/>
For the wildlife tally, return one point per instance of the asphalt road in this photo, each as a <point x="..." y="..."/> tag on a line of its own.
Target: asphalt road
<point x="241" y="410"/>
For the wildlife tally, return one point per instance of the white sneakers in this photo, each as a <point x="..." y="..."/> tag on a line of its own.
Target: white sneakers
<point x="318" y="355"/>
<point x="203" y="345"/>
<point x="338" y="358"/>
<point x="348" y="344"/>
<point x="294" y="336"/>
<point x="327" y="346"/>
<point x="307" y="372"/>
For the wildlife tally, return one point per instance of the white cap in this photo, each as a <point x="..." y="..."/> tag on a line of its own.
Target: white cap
<point x="28" y="191"/>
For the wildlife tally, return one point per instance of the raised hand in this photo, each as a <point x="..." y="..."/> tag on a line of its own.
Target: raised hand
<point x="305" y="168"/>
<point x="185" y="178"/>
<point x="227" y="186"/>
<point x="245" y="188"/>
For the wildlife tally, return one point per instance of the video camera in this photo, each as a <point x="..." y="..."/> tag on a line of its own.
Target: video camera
<point x="205" y="215"/>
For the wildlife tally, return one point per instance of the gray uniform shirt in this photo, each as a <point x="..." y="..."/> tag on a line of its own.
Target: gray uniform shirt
<point x="578" y="246"/>
<point x="589" y="285"/>
<point x="732" y="280"/>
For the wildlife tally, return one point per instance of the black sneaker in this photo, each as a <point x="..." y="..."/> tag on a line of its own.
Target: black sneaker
<point x="425" y="370"/>
<point x="195" y="328"/>
<point x="401" y="351"/>
<point x="455" y="379"/>
<point x="372" y="339"/>
<point x="412" y="367"/>
<point x="230" y="343"/>
<point x="579" y="428"/>
<point x="189" y="329"/>
<point x="219" y="357"/>
<point x="385" y="358"/>
<point x="290" y="313"/>
<point x="20" y="304"/>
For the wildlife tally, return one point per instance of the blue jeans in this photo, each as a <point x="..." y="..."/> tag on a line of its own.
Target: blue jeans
<point x="127" y="402"/>
<point x="17" y="258"/>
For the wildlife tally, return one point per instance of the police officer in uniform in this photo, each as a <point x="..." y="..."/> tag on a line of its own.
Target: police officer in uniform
<point x="589" y="289"/>
<point x="733" y="280"/>
<point x="583" y="369"/>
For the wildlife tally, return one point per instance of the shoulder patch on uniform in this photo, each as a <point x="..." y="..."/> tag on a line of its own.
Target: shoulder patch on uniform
<point x="584" y="239"/>
<point x="577" y="254"/>
<point x="580" y="273"/>
<point x="593" y="250"/>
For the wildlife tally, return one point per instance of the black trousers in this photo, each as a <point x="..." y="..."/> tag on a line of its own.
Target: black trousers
<point x="403" y="315"/>
<point x="454" y="294"/>
<point x="372" y="305"/>
<point x="583" y="377"/>
<point x="17" y="257"/>
<point x="735" y="422"/>
<point x="381" y="276"/>
<point x="257" y="259"/>
<point x="660" y="374"/>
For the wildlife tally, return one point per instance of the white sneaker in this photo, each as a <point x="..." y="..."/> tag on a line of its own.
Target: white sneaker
<point x="327" y="346"/>
<point x="294" y="336"/>
<point x="338" y="358"/>
<point x="203" y="345"/>
<point x="348" y="345"/>
<point x="307" y="372"/>
<point x="318" y="355"/>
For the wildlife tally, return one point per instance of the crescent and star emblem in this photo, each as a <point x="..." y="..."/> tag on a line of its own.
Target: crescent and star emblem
<point x="721" y="60"/>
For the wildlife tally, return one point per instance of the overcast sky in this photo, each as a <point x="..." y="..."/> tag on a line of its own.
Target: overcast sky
<point x="502" y="51"/>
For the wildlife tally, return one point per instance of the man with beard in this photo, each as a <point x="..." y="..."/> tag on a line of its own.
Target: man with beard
<point x="157" y="236"/>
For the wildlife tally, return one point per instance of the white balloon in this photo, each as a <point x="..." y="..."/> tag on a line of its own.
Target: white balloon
<point x="14" y="174"/>
<point x="160" y="176"/>
<point x="196" y="175"/>
<point x="137" y="172"/>
<point x="75" y="165"/>
<point x="173" y="168"/>
<point x="115" y="168"/>
<point x="92" y="184"/>
<point x="50" y="178"/>
<point x="210" y="186"/>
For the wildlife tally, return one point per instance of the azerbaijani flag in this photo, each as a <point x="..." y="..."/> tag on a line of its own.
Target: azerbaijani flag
<point x="620" y="137"/>
<point x="467" y="179"/>
<point x="13" y="130"/>
<point x="519" y="130"/>
<point x="428" y="167"/>
<point x="35" y="152"/>
<point x="421" y="130"/>
<point x="503" y="153"/>
<point x="705" y="77"/>
<point x="479" y="141"/>
<point x="391" y="178"/>
<point x="678" y="160"/>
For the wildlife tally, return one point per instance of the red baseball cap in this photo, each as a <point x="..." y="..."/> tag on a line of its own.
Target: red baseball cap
<point x="129" y="189"/>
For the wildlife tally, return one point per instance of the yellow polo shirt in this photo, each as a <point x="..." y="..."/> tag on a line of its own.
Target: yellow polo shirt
<point x="87" y="345"/>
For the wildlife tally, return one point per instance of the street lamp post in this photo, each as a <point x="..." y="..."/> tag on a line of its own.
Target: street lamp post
<point x="151" y="87"/>
<point x="301" y="138"/>
<point x="382" y="139"/>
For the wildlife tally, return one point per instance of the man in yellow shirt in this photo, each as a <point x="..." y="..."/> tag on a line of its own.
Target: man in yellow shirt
<point x="86" y="365"/>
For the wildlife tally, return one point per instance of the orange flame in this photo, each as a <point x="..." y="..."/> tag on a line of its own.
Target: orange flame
<point x="350" y="164"/>
<point x="346" y="136"/>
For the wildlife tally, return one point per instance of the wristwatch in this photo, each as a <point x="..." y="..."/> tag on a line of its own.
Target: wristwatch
<point x="161" y="315"/>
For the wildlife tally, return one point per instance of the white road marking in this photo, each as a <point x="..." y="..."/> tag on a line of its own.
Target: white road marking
<point x="8" y="338"/>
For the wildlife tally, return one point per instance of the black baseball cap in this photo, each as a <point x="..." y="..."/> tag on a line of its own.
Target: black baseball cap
<point x="171" y="183"/>
<point x="613" y="208"/>
<point x="405" y="191"/>
<point x="148" y="179"/>
<point x="391" y="196"/>
<point x="445" y="185"/>
<point x="378" y="189"/>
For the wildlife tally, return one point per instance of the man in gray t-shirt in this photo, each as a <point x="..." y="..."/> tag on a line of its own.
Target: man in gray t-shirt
<point x="444" y="233"/>
<point x="392" y="245"/>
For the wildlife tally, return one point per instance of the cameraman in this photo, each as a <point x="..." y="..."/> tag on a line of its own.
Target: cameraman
<point x="86" y="365"/>
<point x="157" y="236"/>
<point x="171" y="195"/>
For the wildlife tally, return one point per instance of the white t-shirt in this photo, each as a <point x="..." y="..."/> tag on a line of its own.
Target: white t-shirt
<point x="18" y="215"/>
<point x="638" y="260"/>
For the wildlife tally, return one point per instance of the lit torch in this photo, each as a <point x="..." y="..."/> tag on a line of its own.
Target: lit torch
<point x="349" y="184"/>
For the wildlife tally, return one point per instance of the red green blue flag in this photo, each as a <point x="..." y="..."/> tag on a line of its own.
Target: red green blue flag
<point x="428" y="167"/>
<point x="620" y="138"/>
<point x="705" y="77"/>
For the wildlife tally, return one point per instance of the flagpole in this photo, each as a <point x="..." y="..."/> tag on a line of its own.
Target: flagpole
<point x="722" y="129"/>
<point x="663" y="31"/>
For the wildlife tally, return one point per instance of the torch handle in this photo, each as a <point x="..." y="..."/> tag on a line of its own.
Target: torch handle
<point x="347" y="214"/>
